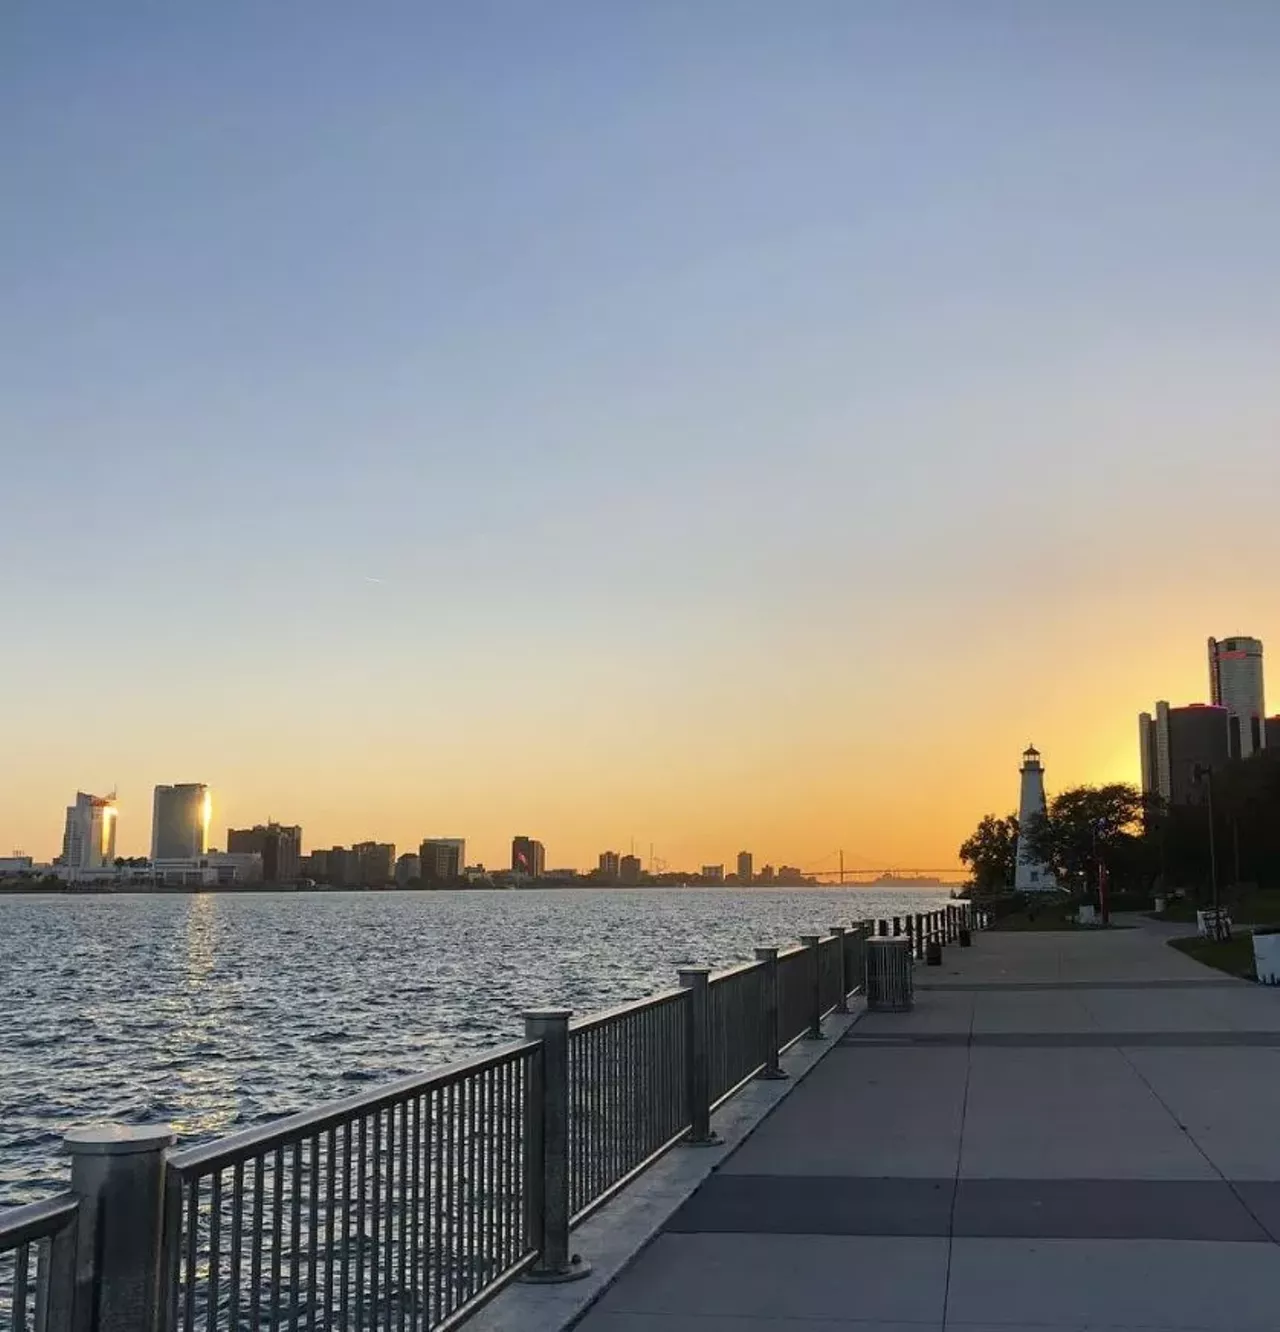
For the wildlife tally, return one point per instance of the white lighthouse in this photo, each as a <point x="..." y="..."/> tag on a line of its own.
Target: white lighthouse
<point x="1031" y="876"/>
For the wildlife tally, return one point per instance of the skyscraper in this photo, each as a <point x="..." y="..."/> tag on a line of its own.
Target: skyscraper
<point x="1177" y="741"/>
<point x="528" y="857"/>
<point x="746" y="866"/>
<point x="1031" y="876"/>
<point x="279" y="845"/>
<point x="180" y="819"/>
<point x="1235" y="683"/>
<point x="441" y="859"/>
<point x="610" y="866"/>
<point x="89" y="836"/>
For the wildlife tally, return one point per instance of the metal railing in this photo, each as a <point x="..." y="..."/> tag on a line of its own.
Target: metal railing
<point x="37" y="1264"/>
<point x="394" y="1208"/>
<point x="628" y="1097"/>
<point x="404" y="1208"/>
<point x="795" y="994"/>
<point x="738" y="1034"/>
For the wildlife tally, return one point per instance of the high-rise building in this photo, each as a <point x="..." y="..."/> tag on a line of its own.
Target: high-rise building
<point x="408" y="868"/>
<point x="441" y="859"/>
<point x="746" y="867"/>
<point x="610" y="866"/>
<point x="89" y="835"/>
<point x="279" y="845"/>
<point x="1030" y="875"/>
<point x="1235" y="683"/>
<point x="342" y="866"/>
<point x="376" y="863"/>
<point x="180" y="819"/>
<point x="629" y="870"/>
<point x="1175" y="742"/>
<point x="528" y="857"/>
<point x="1272" y="733"/>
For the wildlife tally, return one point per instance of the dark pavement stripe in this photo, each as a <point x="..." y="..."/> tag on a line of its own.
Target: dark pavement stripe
<point x="967" y="987"/>
<point x="983" y="1208"/>
<point x="1030" y="1040"/>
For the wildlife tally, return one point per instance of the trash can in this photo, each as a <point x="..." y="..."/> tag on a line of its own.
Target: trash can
<point x="889" y="975"/>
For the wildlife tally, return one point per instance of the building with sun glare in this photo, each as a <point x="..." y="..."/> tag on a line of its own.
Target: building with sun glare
<point x="180" y="819"/>
<point x="89" y="835"/>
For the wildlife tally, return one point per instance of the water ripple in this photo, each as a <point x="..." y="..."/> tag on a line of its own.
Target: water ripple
<point x="216" y="1011"/>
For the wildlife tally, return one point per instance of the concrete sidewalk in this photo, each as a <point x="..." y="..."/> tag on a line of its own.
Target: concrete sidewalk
<point x="1071" y="1131"/>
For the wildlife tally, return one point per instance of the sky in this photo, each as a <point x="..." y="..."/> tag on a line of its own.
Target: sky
<point x="721" y="425"/>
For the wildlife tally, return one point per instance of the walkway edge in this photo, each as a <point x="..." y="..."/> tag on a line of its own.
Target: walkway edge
<point x="618" y="1234"/>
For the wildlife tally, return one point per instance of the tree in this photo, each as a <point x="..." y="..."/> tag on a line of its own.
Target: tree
<point x="991" y="852"/>
<point x="1085" y="825"/>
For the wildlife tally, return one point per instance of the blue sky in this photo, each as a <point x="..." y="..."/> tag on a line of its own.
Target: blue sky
<point x="755" y="392"/>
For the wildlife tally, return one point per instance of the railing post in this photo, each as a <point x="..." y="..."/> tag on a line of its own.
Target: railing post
<point x="917" y="937"/>
<point x="842" y="1003"/>
<point x="897" y="926"/>
<point x="772" y="1072"/>
<point x="546" y="1181"/>
<point x="697" y="1067"/>
<point x="882" y="928"/>
<point x="812" y="944"/>
<point x="117" y="1172"/>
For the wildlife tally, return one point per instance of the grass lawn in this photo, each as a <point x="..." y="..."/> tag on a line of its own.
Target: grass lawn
<point x="1235" y="957"/>
<point x="1049" y="916"/>
<point x="1252" y="908"/>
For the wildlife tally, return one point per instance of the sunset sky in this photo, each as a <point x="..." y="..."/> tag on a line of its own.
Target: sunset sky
<point x="724" y="424"/>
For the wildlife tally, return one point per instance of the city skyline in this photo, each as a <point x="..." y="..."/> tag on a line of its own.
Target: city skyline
<point x="669" y="422"/>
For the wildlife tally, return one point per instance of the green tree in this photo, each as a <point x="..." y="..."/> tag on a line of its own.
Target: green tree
<point x="1087" y="824"/>
<point x="991" y="852"/>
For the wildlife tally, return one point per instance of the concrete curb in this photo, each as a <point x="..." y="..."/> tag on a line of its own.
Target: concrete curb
<point x="618" y="1234"/>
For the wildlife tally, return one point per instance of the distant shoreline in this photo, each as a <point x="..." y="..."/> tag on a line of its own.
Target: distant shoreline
<point x="194" y="890"/>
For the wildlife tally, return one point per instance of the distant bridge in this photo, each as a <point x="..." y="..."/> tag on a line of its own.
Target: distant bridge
<point x="838" y="873"/>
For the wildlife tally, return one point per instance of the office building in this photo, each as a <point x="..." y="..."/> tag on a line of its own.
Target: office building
<point x="180" y="819"/>
<point x="1030" y="874"/>
<point x="1174" y="742"/>
<point x="441" y="859"/>
<point x="408" y="869"/>
<point x="1235" y="683"/>
<point x="375" y="863"/>
<point x="713" y="873"/>
<point x="610" y="866"/>
<point x="629" y="870"/>
<point x="89" y="835"/>
<point x="342" y="866"/>
<point x="746" y="867"/>
<point x="767" y="874"/>
<point x="315" y="865"/>
<point x="279" y="845"/>
<point x="528" y="857"/>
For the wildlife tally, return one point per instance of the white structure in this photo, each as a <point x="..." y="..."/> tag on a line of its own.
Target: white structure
<point x="89" y="836"/>
<point x="180" y="819"/>
<point x="1031" y="876"/>
<point x="1235" y="683"/>
<point x="214" y="870"/>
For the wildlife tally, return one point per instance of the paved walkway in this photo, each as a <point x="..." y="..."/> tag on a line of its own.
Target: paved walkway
<point x="1070" y="1131"/>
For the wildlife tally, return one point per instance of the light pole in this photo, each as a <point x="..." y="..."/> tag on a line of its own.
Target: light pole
<point x="1205" y="774"/>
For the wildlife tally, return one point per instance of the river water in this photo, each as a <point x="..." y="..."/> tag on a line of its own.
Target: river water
<point x="217" y="1011"/>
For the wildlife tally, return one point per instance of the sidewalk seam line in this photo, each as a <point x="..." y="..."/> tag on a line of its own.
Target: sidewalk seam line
<point x="955" y="1186"/>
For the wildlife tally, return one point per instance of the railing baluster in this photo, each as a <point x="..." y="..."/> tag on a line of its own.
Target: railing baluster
<point x="215" y="1250"/>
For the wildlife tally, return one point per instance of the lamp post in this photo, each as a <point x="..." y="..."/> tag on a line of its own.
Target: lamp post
<point x="1204" y="773"/>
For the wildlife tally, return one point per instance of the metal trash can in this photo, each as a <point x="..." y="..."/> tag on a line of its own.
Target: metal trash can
<point x="889" y="975"/>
